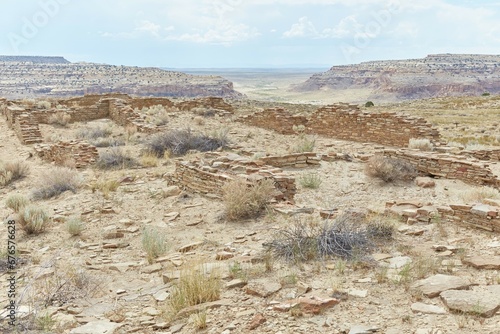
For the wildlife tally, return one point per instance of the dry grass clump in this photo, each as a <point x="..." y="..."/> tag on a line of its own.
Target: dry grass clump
<point x="106" y="186"/>
<point x="75" y="226"/>
<point x="179" y="142"/>
<point x="115" y="158"/>
<point x="305" y="144"/>
<point x="33" y="219"/>
<point x="154" y="243"/>
<point x="478" y="195"/>
<point x="422" y="144"/>
<point x="243" y="200"/>
<point x="311" y="181"/>
<point x="390" y="169"/>
<point x="99" y="136"/>
<point x="16" y="202"/>
<point x="194" y="287"/>
<point x="12" y="171"/>
<point x="149" y="159"/>
<point x="56" y="181"/>
<point x="59" y="118"/>
<point x="343" y="237"/>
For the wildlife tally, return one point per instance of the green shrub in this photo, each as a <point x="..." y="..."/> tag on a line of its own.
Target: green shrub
<point x="12" y="171"/>
<point x="311" y="181"/>
<point x="153" y="243"/>
<point x="305" y="144"/>
<point x="75" y="226"/>
<point x="33" y="219"/>
<point x="369" y="104"/>
<point x="16" y="202"/>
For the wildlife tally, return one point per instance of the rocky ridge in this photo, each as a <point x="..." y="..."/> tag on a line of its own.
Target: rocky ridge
<point x="433" y="76"/>
<point x="20" y="78"/>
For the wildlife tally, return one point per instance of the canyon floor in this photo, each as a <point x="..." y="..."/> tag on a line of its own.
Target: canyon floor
<point x="101" y="281"/>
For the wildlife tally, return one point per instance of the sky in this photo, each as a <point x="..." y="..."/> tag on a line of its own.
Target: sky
<point x="247" y="33"/>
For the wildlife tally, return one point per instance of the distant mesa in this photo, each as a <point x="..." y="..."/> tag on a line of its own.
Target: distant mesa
<point x="36" y="77"/>
<point x="34" y="59"/>
<point x="433" y="76"/>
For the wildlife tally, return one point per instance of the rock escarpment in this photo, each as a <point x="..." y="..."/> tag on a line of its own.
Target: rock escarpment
<point x="432" y="76"/>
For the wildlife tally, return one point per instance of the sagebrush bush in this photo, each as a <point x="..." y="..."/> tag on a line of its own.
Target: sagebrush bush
<point x="59" y="118"/>
<point x="92" y="133"/>
<point x="56" y="181"/>
<point x="16" y="202"/>
<point x="43" y="104"/>
<point x="479" y="194"/>
<point x="305" y="144"/>
<point x="311" y="181"/>
<point x="154" y="243"/>
<point x="12" y="171"/>
<point x="390" y="169"/>
<point x="75" y="226"/>
<point x="179" y="142"/>
<point x="422" y="144"/>
<point x="243" y="200"/>
<point x="33" y="219"/>
<point x="115" y="158"/>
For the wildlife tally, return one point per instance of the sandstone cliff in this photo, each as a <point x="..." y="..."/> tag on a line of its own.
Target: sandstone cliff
<point x="36" y="78"/>
<point x="432" y="76"/>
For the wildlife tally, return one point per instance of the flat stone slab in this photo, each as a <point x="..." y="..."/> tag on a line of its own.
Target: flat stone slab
<point x="262" y="288"/>
<point x="97" y="327"/>
<point x="434" y="285"/>
<point x="483" y="262"/>
<point x="483" y="301"/>
<point x="427" y="308"/>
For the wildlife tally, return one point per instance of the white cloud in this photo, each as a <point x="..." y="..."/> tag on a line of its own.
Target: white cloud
<point x="304" y="28"/>
<point x="348" y="26"/>
<point x="224" y="33"/>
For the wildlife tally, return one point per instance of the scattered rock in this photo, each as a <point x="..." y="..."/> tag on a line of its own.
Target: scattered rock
<point x="190" y="247"/>
<point x="257" y="320"/>
<point x="425" y="182"/>
<point x="221" y="256"/>
<point x="399" y="262"/>
<point x="152" y="268"/>
<point x="483" y="262"/>
<point x="262" y="288"/>
<point x="309" y="305"/>
<point x="434" y="285"/>
<point x="483" y="301"/>
<point x="171" y="191"/>
<point x="427" y="309"/>
<point x="97" y="327"/>
<point x="235" y="283"/>
<point x="358" y="293"/>
<point x="360" y="329"/>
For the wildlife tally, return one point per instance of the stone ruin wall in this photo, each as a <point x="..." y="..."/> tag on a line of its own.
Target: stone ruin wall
<point x="479" y="215"/>
<point x="74" y="153"/>
<point x="205" y="102"/>
<point x="447" y="166"/>
<point x="486" y="154"/>
<point x="208" y="179"/>
<point x="276" y="119"/>
<point x="296" y="160"/>
<point x="348" y="122"/>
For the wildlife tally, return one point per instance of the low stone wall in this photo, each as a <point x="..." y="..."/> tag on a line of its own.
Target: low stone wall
<point x="276" y="119"/>
<point x="483" y="216"/>
<point x="123" y="114"/>
<point x="75" y="153"/>
<point x="447" y="166"/>
<point x="209" y="178"/>
<point x="348" y="122"/>
<point x="205" y="102"/>
<point x="147" y="102"/>
<point x="487" y="154"/>
<point x="297" y="160"/>
<point x="26" y="129"/>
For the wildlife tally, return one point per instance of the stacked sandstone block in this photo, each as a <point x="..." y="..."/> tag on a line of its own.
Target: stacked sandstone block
<point x="486" y="154"/>
<point x="146" y="102"/>
<point x="123" y="114"/>
<point x="77" y="153"/>
<point x="448" y="166"/>
<point x="217" y="103"/>
<point x="479" y="215"/>
<point x="347" y="122"/>
<point x="276" y="119"/>
<point x="483" y="216"/>
<point x="209" y="177"/>
<point x="27" y="130"/>
<point x="297" y="160"/>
